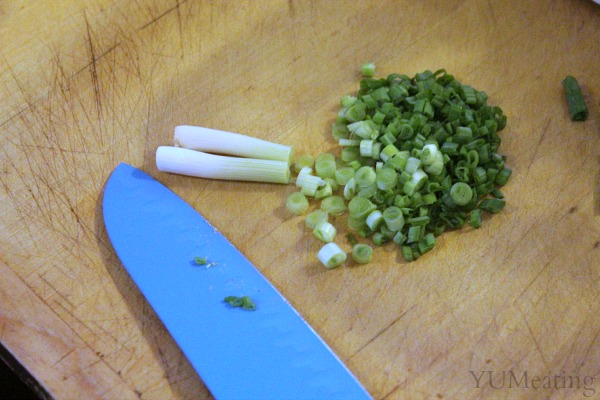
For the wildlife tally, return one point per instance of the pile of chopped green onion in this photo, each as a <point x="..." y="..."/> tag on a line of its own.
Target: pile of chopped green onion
<point x="418" y="156"/>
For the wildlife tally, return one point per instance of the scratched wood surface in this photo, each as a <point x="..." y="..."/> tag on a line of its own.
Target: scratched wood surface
<point x="87" y="84"/>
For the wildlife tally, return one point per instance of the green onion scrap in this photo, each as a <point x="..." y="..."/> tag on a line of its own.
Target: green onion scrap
<point x="577" y="108"/>
<point x="244" y="302"/>
<point x="418" y="156"/>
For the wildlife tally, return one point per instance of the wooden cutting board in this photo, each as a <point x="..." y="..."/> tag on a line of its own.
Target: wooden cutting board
<point x="87" y="84"/>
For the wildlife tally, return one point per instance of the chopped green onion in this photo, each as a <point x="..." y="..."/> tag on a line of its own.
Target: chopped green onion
<point x="469" y="94"/>
<point x="302" y="174"/>
<point x="305" y="160"/>
<point x="379" y="239"/>
<point x="415" y="233"/>
<point x="310" y="185"/>
<point x="429" y="154"/>
<point x="355" y="113"/>
<point x="349" y="142"/>
<point x="343" y="175"/>
<point x="374" y="219"/>
<point x="388" y="152"/>
<point x="475" y="218"/>
<point x="399" y="238"/>
<point x="360" y="207"/>
<point x="314" y="218"/>
<point x="412" y="165"/>
<point x="331" y="255"/>
<point x="577" y="108"/>
<point x="351" y="239"/>
<point x="417" y="180"/>
<point x="368" y="70"/>
<point x="437" y="166"/>
<point x="418" y="156"/>
<point x="333" y="183"/>
<point x="348" y="101"/>
<point x="324" y="191"/>
<point x="418" y="221"/>
<point x="325" y="231"/>
<point x="365" y="176"/>
<point x="200" y="260"/>
<point x="325" y="165"/>
<point x="394" y="218"/>
<point x="407" y="253"/>
<point x="461" y="193"/>
<point x="350" y="153"/>
<point x="178" y="160"/>
<point x="333" y="205"/>
<point x="244" y="302"/>
<point x="366" y="148"/>
<point x="362" y="253"/>
<point x="350" y="189"/>
<point x="427" y="243"/>
<point x="492" y="205"/>
<point x="502" y="176"/>
<point x="366" y="129"/>
<point x="297" y="203"/>
<point x="357" y="224"/>
<point x="339" y="130"/>
<point x="386" y="179"/>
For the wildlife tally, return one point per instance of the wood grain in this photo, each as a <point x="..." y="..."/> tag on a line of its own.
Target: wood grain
<point x="85" y="85"/>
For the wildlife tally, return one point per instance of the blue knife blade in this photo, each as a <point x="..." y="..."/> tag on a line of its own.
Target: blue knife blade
<point x="269" y="353"/>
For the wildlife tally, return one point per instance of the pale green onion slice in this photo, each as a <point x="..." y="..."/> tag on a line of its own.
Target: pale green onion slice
<point x="366" y="148"/>
<point x="367" y="191"/>
<point x="387" y="179"/>
<point x="304" y="172"/>
<point x="362" y="253"/>
<point x="324" y="191"/>
<point x="394" y="218"/>
<point x="368" y="70"/>
<point x="461" y="193"/>
<point x="365" y="129"/>
<point x="305" y="160"/>
<point x="412" y="165"/>
<point x="348" y="101"/>
<point x="376" y="150"/>
<point x="399" y="160"/>
<point x="325" y="231"/>
<point x="178" y="160"/>
<point x="365" y="176"/>
<point x="437" y="166"/>
<point x="310" y="185"/>
<point x="400" y="238"/>
<point x="360" y="207"/>
<point x="325" y="165"/>
<point x="334" y="205"/>
<point x="349" y="142"/>
<point x="314" y="218"/>
<point x="350" y="153"/>
<point x="228" y="143"/>
<point x="343" y="175"/>
<point x="417" y="180"/>
<point x="387" y="152"/>
<point x="296" y="203"/>
<point x="429" y="153"/>
<point x="333" y="183"/>
<point x="331" y="255"/>
<point x="350" y="189"/>
<point x="356" y="112"/>
<point x="356" y="224"/>
<point x="374" y="219"/>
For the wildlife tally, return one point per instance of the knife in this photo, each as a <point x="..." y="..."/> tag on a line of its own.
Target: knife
<point x="268" y="353"/>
